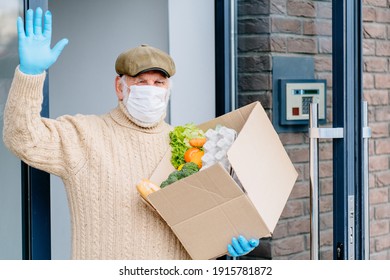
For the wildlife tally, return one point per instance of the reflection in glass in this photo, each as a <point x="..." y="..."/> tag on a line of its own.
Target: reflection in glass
<point x="10" y="190"/>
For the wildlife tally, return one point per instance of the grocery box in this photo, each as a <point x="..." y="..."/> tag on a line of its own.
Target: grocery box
<point x="208" y="208"/>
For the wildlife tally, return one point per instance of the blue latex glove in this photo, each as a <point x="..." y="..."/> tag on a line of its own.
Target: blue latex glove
<point x="241" y="246"/>
<point x="34" y="45"/>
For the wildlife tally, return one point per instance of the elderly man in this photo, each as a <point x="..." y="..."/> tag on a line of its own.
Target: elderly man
<point x="100" y="158"/>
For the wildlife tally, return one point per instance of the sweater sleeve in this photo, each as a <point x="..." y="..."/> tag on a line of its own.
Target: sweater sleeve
<point x="55" y="146"/>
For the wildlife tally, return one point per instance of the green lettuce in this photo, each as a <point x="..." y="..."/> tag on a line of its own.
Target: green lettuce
<point x="180" y="137"/>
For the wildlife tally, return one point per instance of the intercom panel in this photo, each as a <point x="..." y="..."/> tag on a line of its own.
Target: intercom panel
<point x="296" y="96"/>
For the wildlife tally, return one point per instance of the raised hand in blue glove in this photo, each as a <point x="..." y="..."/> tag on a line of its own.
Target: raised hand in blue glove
<point x="34" y="45"/>
<point x="241" y="246"/>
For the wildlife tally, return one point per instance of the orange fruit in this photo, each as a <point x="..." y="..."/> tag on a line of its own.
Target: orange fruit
<point x="197" y="158"/>
<point x="189" y="154"/>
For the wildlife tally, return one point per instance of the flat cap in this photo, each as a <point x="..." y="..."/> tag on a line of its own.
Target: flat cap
<point x="144" y="58"/>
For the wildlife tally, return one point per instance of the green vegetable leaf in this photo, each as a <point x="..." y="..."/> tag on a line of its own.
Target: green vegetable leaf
<point x="180" y="137"/>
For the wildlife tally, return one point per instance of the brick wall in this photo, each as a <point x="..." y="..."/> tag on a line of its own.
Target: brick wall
<point x="268" y="28"/>
<point x="376" y="51"/>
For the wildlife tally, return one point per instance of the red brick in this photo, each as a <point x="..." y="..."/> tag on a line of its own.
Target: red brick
<point x="375" y="3"/>
<point x="298" y="226"/>
<point x="374" y="31"/>
<point x="286" y="25"/>
<point x="329" y="97"/>
<point x="324" y="10"/>
<point x="326" y="169"/>
<point x="278" y="7"/>
<point x="382" y="244"/>
<point x="329" y="115"/>
<point x="300" y="154"/>
<point x="278" y="44"/>
<point x="371" y="180"/>
<point x="368" y="47"/>
<point x="300" y="168"/>
<point x="388" y="32"/>
<point x="371" y="114"/>
<point x="383" y="15"/>
<point x="379" y="256"/>
<point x="375" y="64"/>
<point x="253" y="44"/>
<point x="326" y="221"/>
<point x="254" y="63"/>
<point x="291" y="138"/>
<point x="382" y="114"/>
<point x="323" y="63"/>
<point x="325" y="45"/>
<point x="317" y="27"/>
<point x="383" y="48"/>
<point x="301" y="9"/>
<point x="253" y="7"/>
<point x="300" y="190"/>
<point x="379" y="228"/>
<point x="371" y="148"/>
<point x="325" y="151"/>
<point x="377" y="163"/>
<point x="326" y="238"/>
<point x="306" y="171"/>
<point x="280" y="230"/>
<point x="382" y="146"/>
<point x="302" y="45"/>
<point x="254" y="82"/>
<point x="327" y="76"/>
<point x="326" y="203"/>
<point x="376" y="97"/>
<point x="382" y="179"/>
<point x="326" y="254"/>
<point x="379" y="195"/>
<point x="300" y="256"/>
<point x="382" y="212"/>
<point x="288" y="246"/>
<point x="258" y="25"/>
<point x="368" y="81"/>
<point x="382" y="81"/>
<point x="294" y="208"/>
<point x="379" y="130"/>
<point x="369" y="14"/>
<point x="326" y="186"/>
<point x="306" y="207"/>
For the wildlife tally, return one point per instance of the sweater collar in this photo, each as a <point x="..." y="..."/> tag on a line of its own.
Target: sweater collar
<point x="123" y="118"/>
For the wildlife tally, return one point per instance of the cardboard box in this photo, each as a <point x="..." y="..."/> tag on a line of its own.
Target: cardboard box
<point x="206" y="209"/>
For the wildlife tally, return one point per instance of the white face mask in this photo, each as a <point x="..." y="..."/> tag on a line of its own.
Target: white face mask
<point x="146" y="104"/>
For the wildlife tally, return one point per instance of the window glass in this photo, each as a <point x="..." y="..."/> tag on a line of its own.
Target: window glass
<point x="10" y="177"/>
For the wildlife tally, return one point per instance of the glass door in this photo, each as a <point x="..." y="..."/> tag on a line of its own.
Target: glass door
<point x="346" y="44"/>
<point x="10" y="166"/>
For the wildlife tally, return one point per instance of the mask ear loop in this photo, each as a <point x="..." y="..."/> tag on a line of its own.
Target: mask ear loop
<point x="125" y="92"/>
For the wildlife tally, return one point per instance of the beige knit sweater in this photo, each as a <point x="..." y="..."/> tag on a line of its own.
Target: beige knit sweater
<point x="100" y="159"/>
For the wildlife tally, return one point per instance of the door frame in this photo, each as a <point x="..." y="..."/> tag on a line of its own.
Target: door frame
<point x="36" y="223"/>
<point x="348" y="191"/>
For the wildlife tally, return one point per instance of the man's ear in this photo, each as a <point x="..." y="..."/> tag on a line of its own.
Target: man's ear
<point x="119" y="88"/>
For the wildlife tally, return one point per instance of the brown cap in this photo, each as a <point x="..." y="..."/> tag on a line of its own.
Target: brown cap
<point x="144" y="58"/>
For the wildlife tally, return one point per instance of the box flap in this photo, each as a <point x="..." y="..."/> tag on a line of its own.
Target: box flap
<point x="235" y="119"/>
<point x="209" y="200"/>
<point x="263" y="166"/>
<point x="219" y="225"/>
<point x="194" y="194"/>
<point x="163" y="169"/>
